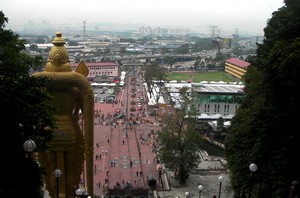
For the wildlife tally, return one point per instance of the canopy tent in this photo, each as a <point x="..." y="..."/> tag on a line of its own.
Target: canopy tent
<point x="103" y="84"/>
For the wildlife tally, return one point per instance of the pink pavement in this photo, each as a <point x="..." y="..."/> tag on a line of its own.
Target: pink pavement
<point x="124" y="158"/>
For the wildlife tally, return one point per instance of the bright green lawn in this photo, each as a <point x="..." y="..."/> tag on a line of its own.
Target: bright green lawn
<point x="202" y="76"/>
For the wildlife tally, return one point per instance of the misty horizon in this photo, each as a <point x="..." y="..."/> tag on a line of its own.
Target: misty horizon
<point x="228" y="17"/>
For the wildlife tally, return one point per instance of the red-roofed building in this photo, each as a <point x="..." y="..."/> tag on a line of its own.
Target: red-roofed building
<point x="100" y="69"/>
<point x="236" y="67"/>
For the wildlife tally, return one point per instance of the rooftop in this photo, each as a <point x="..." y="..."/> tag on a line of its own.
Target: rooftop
<point x="220" y="88"/>
<point x="238" y="62"/>
<point x="208" y="87"/>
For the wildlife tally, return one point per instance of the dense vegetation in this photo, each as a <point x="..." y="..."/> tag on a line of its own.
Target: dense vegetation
<point x="263" y="130"/>
<point x="26" y="113"/>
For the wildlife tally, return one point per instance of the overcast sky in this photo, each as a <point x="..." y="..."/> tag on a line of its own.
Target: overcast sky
<point x="248" y="16"/>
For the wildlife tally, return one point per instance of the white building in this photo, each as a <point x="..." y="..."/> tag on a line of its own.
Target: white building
<point x="212" y="99"/>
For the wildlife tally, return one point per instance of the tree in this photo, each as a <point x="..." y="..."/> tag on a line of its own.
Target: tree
<point x="107" y="51"/>
<point x="220" y="124"/>
<point x="169" y="60"/>
<point x="217" y="43"/>
<point x="72" y="43"/>
<point x="183" y="49"/>
<point x="220" y="59"/>
<point x="122" y="50"/>
<point x="263" y="129"/>
<point x="26" y="113"/>
<point x="153" y="73"/>
<point x="37" y="63"/>
<point x="33" y="47"/>
<point x="179" y="140"/>
<point x="165" y="50"/>
<point x="105" y="59"/>
<point x="197" y="63"/>
<point x="202" y="44"/>
<point x="117" y="88"/>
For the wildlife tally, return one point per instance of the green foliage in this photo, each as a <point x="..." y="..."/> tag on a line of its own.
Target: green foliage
<point x="26" y="113"/>
<point x="117" y="88"/>
<point x="179" y="143"/>
<point x="153" y="73"/>
<point x="220" y="57"/>
<point x="169" y="60"/>
<point x="183" y="49"/>
<point x="202" y="44"/>
<point x="263" y="130"/>
<point x="220" y="123"/>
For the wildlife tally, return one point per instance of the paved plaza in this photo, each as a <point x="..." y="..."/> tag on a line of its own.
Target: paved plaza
<point x="124" y="152"/>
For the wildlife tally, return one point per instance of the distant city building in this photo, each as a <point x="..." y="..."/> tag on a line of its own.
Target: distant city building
<point x="101" y="45"/>
<point x="236" y="67"/>
<point x="158" y="31"/>
<point x="100" y="69"/>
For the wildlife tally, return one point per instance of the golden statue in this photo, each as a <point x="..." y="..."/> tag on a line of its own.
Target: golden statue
<point x="72" y="143"/>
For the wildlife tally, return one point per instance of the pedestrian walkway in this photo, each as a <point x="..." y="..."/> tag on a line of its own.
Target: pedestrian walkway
<point x="124" y="153"/>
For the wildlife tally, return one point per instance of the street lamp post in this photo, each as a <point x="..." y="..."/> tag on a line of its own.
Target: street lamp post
<point x="220" y="179"/>
<point x="186" y="194"/>
<point x="29" y="146"/>
<point x="253" y="168"/>
<point x="81" y="192"/>
<point x="200" y="187"/>
<point x="159" y="167"/>
<point x="292" y="188"/>
<point x="57" y="173"/>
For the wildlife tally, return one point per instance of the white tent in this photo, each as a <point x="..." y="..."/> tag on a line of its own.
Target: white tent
<point x="227" y="123"/>
<point x="203" y="116"/>
<point x="216" y="116"/>
<point x="108" y="84"/>
<point x="103" y="84"/>
<point x="95" y="84"/>
<point x="229" y="116"/>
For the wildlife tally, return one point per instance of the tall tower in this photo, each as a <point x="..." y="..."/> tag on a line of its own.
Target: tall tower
<point x="237" y="31"/>
<point x="83" y="35"/>
<point x="213" y="30"/>
<point x="235" y="38"/>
